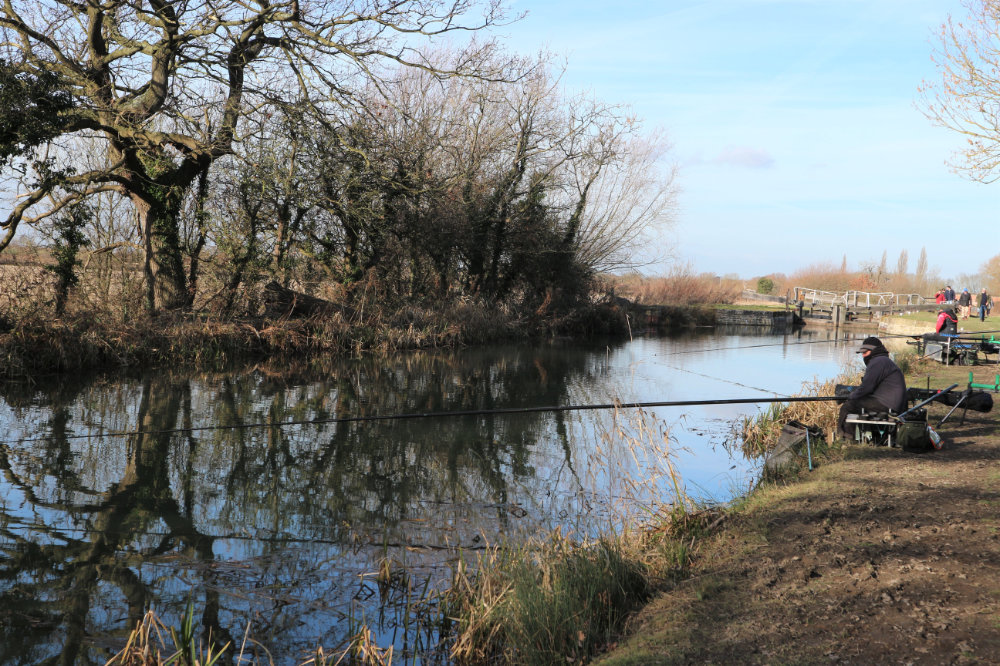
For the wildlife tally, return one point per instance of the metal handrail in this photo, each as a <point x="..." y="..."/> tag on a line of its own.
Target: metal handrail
<point x="855" y="298"/>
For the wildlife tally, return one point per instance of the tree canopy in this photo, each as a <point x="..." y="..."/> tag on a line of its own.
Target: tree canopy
<point x="966" y="96"/>
<point x="333" y="141"/>
<point x="165" y="86"/>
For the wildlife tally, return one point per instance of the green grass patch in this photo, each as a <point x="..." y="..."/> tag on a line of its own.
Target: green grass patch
<point x="972" y="324"/>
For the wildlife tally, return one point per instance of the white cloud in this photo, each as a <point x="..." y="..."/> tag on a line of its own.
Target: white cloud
<point x="746" y="157"/>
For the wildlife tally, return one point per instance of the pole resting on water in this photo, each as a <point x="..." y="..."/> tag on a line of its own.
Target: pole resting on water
<point x="467" y="412"/>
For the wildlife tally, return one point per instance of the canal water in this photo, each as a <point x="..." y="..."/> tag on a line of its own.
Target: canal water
<point x="120" y="494"/>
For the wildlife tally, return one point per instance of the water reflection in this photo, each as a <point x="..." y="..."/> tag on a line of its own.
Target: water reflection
<point x="269" y="525"/>
<point x="282" y="528"/>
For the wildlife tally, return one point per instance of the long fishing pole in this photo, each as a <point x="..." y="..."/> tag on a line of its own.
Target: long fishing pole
<point x="854" y="338"/>
<point x="450" y="414"/>
<point x="496" y="411"/>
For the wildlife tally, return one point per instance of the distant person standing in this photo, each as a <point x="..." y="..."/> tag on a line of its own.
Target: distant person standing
<point x="984" y="300"/>
<point x="964" y="304"/>
<point x="949" y="294"/>
<point x="939" y="296"/>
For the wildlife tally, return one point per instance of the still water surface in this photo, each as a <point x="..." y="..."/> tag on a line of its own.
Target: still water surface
<point x="283" y="528"/>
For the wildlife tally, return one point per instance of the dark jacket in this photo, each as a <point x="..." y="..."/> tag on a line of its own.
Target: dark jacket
<point x="965" y="298"/>
<point x="984" y="298"/>
<point x="884" y="381"/>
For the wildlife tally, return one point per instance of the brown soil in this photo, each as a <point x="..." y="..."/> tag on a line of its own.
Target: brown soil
<point x="882" y="557"/>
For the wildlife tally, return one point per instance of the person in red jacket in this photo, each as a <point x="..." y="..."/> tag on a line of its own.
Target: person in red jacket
<point x="947" y="322"/>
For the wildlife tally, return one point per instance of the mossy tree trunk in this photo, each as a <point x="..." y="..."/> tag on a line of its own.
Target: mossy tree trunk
<point x="166" y="284"/>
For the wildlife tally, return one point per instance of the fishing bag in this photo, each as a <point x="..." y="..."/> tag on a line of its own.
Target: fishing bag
<point x="913" y="436"/>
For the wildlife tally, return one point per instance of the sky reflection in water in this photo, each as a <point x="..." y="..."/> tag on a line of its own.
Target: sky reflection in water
<point x="283" y="527"/>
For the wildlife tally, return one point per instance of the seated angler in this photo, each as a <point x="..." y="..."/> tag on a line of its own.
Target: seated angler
<point x="947" y="322"/>
<point x="883" y="387"/>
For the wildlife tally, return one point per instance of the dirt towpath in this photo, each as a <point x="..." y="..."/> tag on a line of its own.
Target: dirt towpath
<point x="883" y="557"/>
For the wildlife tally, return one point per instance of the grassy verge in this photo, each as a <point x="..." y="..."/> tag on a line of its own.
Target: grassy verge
<point x="970" y="325"/>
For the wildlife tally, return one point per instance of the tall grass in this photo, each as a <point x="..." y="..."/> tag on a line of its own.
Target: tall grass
<point x="147" y="645"/>
<point x="553" y="602"/>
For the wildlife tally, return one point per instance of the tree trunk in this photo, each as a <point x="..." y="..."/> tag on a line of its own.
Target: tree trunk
<point x="194" y="254"/>
<point x="161" y="238"/>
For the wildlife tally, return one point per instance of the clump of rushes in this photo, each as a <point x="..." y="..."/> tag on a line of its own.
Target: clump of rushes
<point x="146" y="645"/>
<point x="759" y="432"/>
<point x="554" y="602"/>
<point x="361" y="650"/>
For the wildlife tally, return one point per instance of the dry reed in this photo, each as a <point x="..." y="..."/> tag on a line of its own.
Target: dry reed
<point x="681" y="287"/>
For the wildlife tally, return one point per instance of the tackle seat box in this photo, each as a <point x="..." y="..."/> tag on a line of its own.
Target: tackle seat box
<point x="878" y="426"/>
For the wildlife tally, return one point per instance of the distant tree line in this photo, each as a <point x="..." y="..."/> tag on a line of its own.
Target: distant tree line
<point x="877" y="276"/>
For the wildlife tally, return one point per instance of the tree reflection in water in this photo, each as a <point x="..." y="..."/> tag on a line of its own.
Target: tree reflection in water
<point x="272" y="526"/>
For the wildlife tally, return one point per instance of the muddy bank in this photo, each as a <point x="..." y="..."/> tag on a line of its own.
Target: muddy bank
<point x="876" y="557"/>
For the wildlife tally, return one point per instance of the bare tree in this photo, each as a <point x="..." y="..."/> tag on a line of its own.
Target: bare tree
<point x="629" y="194"/>
<point x="903" y="263"/>
<point x="165" y="86"/>
<point x="966" y="97"/>
<point x="990" y="271"/>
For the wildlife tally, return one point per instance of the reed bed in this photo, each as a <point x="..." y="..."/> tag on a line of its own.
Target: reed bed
<point x="682" y="286"/>
<point x="33" y="342"/>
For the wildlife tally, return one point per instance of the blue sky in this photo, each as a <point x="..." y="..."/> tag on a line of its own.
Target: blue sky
<point x="794" y="123"/>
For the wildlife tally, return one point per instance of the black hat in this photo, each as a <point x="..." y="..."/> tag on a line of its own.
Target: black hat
<point x="870" y="344"/>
